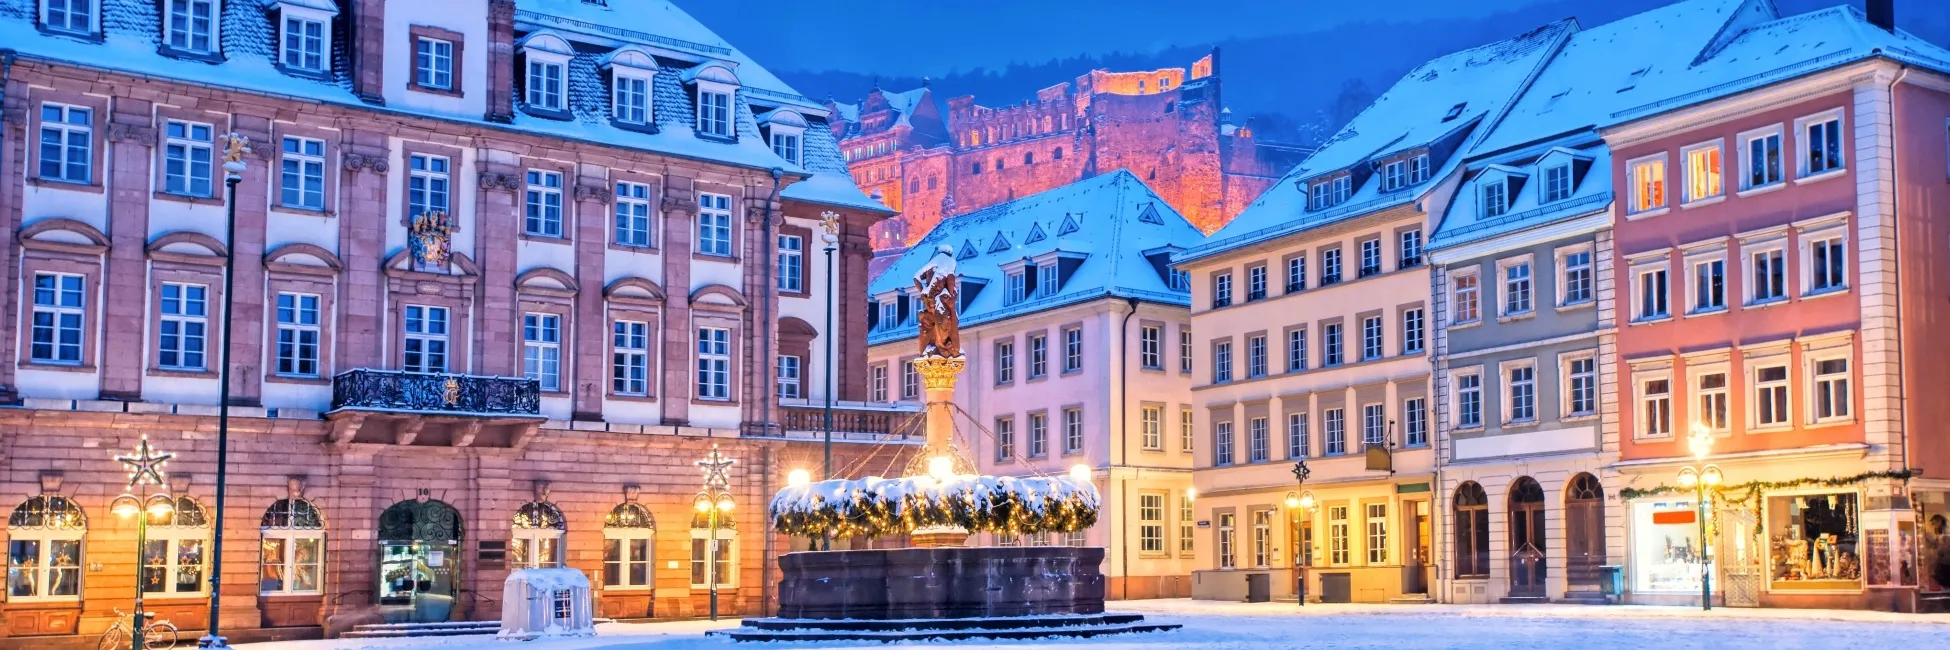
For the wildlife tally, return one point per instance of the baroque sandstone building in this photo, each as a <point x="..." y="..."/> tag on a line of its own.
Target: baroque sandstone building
<point x="503" y="270"/>
<point x="1166" y="126"/>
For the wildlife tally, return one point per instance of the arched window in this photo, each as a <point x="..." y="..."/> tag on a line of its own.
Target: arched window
<point x="727" y="546"/>
<point x="1472" y="531"/>
<point x="44" y="549"/>
<point x="177" y="550"/>
<point x="629" y="547"/>
<point x="291" y="550"/>
<point x="537" y="542"/>
<point x="1058" y="154"/>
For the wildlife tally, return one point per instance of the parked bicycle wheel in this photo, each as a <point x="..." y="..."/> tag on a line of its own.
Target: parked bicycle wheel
<point x="159" y="636"/>
<point x="115" y="638"/>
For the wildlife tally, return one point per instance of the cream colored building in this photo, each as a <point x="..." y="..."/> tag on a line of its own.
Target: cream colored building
<point x="1071" y="324"/>
<point x="1312" y="323"/>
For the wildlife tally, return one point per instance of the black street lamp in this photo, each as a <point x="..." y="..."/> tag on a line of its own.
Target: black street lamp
<point x="1300" y="502"/>
<point x="145" y="468"/>
<point x="830" y="222"/>
<point x="235" y="146"/>
<point x="715" y="501"/>
<point x="1701" y="480"/>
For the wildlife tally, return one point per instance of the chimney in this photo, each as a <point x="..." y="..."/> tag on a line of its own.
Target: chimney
<point x="369" y="50"/>
<point x="501" y="61"/>
<point x="1882" y="13"/>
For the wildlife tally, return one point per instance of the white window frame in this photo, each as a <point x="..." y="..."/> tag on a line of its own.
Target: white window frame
<point x="715" y="102"/>
<point x="191" y="335"/>
<point x="1643" y="398"/>
<point x="288" y="564"/>
<point x="1414" y="330"/>
<point x="433" y="62"/>
<point x="1262" y="538"/>
<point x="173" y="538"/>
<point x="632" y="95"/>
<point x="1465" y="302"/>
<point x="1754" y="364"/>
<point x="1038" y="355"/>
<point x="1699" y="396"/>
<point x="1746" y="139"/>
<point x="1662" y="267"/>
<point x="1332" y="337"/>
<point x="714" y="225"/>
<point x="91" y="16"/>
<point x="622" y="538"/>
<point x="1150" y="344"/>
<point x="634" y="224"/>
<point x="1374" y="425"/>
<point x="1415" y="422"/>
<point x="1187" y="429"/>
<point x="910" y="380"/>
<point x="1716" y="178"/>
<point x="1418" y="168"/>
<point x="1038" y="434"/>
<point x="1516" y="286"/>
<point x="1296" y="349"/>
<point x="1804" y="173"/>
<point x="790" y="377"/>
<point x="1005" y="361"/>
<point x="1151" y="418"/>
<point x="1338" y="552"/>
<point x="1005" y="437"/>
<point x="541" y="349"/>
<point x="1752" y="252"/>
<point x="43" y="568"/>
<point x="300" y="171"/>
<point x="423" y="339"/>
<point x="298" y="49"/>
<point x="792" y="263"/>
<point x="1516" y="388"/>
<point x="1569" y="274"/>
<point x="713" y="382"/>
<point x="727" y="548"/>
<point x="1072" y="350"/>
<point x="1811" y="271"/>
<point x="299" y="334"/>
<point x="77" y="143"/>
<point x="1334" y="431"/>
<point x="1376" y="519"/>
<point x="1255" y="283"/>
<point x="1694" y="296"/>
<point x="1830" y="385"/>
<point x="1633" y="207"/>
<point x="1569" y="380"/>
<point x="1330" y="265"/>
<point x="1370" y="257"/>
<point x="1185" y="349"/>
<point x="1222" y="289"/>
<point x="1409" y="249"/>
<point x="787" y="143"/>
<point x="1468" y="388"/>
<point x="542" y="214"/>
<point x="1296" y="273"/>
<point x="1256" y="360"/>
<point x="1493" y="198"/>
<point x="630" y="358"/>
<point x="1394" y="175"/>
<point x="1373" y="333"/>
<point x="546" y="78"/>
<point x="188" y="154"/>
<point x="1299" y="441"/>
<point x="1259" y="440"/>
<point x="1228" y="541"/>
<point x="1549" y="191"/>
<point x="1222" y="362"/>
<point x="1222" y="442"/>
<point x="1151" y="523"/>
<point x="1073" y="430"/>
<point x="428" y="184"/>
<point x="877" y="383"/>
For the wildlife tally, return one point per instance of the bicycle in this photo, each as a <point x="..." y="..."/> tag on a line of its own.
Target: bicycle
<point x="157" y="635"/>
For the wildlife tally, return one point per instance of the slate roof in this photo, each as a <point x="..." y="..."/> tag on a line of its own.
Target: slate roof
<point x="1114" y="219"/>
<point x="901" y="103"/>
<point x="1418" y="110"/>
<point x="132" y="33"/>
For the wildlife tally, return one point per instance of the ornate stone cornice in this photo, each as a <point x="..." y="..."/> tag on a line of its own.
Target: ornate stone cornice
<point x="674" y="204"/>
<point x="593" y="193"/>
<point x="498" y="181"/>
<point x="137" y="133"/>
<point x="357" y="161"/>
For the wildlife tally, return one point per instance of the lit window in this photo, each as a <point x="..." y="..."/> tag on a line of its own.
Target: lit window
<point x="176" y="553"/>
<point x="630" y="358"/>
<point x="1152" y="419"/>
<point x="1831" y="394"/>
<point x="1655" y="407"/>
<point x="1771" y="396"/>
<point x="542" y="204"/>
<point x="1648" y="185"/>
<point x="302" y="173"/>
<point x="1377" y="533"/>
<point x="183" y="330"/>
<point x="1703" y="172"/>
<point x="714" y="363"/>
<point x="433" y="63"/>
<point x="1151" y="523"/>
<point x="629" y="543"/>
<point x="1466" y="304"/>
<point x="1338" y="552"/>
<point x="1711" y="397"/>
<point x="291" y="548"/>
<point x="67" y="143"/>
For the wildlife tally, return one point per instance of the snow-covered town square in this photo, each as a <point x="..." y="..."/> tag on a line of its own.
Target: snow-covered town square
<point x="1128" y="324"/>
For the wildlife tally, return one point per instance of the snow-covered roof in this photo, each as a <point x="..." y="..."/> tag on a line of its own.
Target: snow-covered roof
<point x="131" y="35"/>
<point x="902" y="104"/>
<point x="1113" y="220"/>
<point x="1589" y="162"/>
<point x="1445" y="98"/>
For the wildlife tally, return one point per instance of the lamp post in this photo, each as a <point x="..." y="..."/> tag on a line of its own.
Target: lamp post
<point x="714" y="501"/>
<point x="145" y="468"/>
<point x="235" y="146"/>
<point x="1299" y="502"/>
<point x="1701" y="480"/>
<point x="829" y="222"/>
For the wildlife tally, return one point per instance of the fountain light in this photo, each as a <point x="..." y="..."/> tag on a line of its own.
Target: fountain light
<point x="941" y="467"/>
<point x="1080" y="472"/>
<point x="798" y="478"/>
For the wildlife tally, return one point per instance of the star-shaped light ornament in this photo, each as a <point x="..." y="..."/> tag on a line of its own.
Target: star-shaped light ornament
<point x="145" y="465"/>
<point x="715" y="465"/>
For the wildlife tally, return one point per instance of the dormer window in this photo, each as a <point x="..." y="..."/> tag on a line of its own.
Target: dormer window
<point x="1418" y="169"/>
<point x="1496" y="200"/>
<point x="785" y="130"/>
<point x="1329" y="193"/>
<point x="717" y="86"/>
<point x="304" y="36"/>
<point x="545" y="80"/>
<point x="889" y="318"/>
<point x="71" y="16"/>
<point x="1394" y="175"/>
<point x="1046" y="281"/>
<point x="1557" y="182"/>
<point x="190" y="25"/>
<point x="632" y="76"/>
<point x="1017" y="286"/>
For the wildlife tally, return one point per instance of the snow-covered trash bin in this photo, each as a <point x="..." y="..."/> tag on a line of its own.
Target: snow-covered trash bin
<point x="539" y="603"/>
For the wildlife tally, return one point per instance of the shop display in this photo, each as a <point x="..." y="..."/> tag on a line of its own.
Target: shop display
<point x="1665" y="547"/>
<point x="1933" y="513"/>
<point x="1814" y="541"/>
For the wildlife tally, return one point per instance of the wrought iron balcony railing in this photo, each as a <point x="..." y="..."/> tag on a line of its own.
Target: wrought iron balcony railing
<point x="368" y="389"/>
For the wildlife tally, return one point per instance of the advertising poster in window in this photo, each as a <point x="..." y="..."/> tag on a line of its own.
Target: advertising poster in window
<point x="1665" y="546"/>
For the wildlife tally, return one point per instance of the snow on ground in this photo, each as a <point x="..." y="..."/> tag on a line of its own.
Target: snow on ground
<point x="1265" y="626"/>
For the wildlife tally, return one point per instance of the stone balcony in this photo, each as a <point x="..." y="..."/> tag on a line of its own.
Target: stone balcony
<point x="396" y="407"/>
<point x="852" y="421"/>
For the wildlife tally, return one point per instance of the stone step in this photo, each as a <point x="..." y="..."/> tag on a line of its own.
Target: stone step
<point x="945" y="624"/>
<point x="405" y="630"/>
<point x="1523" y="600"/>
<point x="1412" y="599"/>
<point x="889" y="635"/>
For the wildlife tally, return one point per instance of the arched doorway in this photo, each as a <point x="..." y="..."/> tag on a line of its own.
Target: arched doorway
<point x="1528" y="562"/>
<point x="419" y="561"/>
<point x="1584" y="533"/>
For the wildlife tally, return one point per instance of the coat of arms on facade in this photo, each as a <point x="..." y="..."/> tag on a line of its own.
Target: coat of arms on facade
<point x="430" y="236"/>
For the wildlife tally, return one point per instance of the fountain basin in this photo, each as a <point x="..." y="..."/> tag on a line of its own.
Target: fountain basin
<point x="941" y="583"/>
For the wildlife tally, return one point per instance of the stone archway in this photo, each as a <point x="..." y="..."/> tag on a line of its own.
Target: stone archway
<point x="419" y="562"/>
<point x="1584" y="533"/>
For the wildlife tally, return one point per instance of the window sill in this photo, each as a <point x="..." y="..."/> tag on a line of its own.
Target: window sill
<point x="162" y="195"/>
<point x="1816" y="178"/>
<point x="1764" y="304"/>
<point x="1525" y="424"/>
<point x="57" y="367"/>
<point x="635" y="589"/>
<point x="1466" y="324"/>
<point x="1650" y="320"/>
<point x="639" y="127"/>
<point x="1771" y="428"/>
<point x="1710" y="311"/>
<point x="1473" y="428"/>
<point x="1703" y="202"/>
<point x="1763" y="189"/>
<point x="700" y="401"/>
<point x="714" y="257"/>
<point x="1826" y="293"/>
<point x="1509" y="318"/>
<point x="632" y="248"/>
<point x="190" y="55"/>
<point x="546" y="113"/>
<point x="59" y="184"/>
<point x="546" y="239"/>
<point x="635" y="399"/>
<point x="716" y="137"/>
<point x="1579" y="417"/>
<point x="308" y="73"/>
<point x="181" y="373"/>
<point x="1647" y="214"/>
<point x="1829" y="423"/>
<point x="1574" y="306"/>
<point x="293" y="595"/>
<point x="1149" y="369"/>
<point x="432" y="90"/>
<point x="302" y="211"/>
<point x="44" y="601"/>
<point x="292" y="379"/>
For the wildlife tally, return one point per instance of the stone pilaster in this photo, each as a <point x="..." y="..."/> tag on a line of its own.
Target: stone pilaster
<point x="362" y="248"/>
<point x="586" y="380"/>
<point x="132" y="135"/>
<point x="679" y="216"/>
<point x="1876" y="268"/>
<point x="497" y="214"/>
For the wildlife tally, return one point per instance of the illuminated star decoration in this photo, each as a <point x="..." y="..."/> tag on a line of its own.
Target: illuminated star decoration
<point x="146" y="466"/>
<point x="714" y="466"/>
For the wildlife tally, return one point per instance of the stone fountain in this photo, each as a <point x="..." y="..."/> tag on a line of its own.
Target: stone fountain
<point x="939" y="588"/>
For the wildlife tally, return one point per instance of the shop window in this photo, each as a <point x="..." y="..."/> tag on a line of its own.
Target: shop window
<point x="1813" y="542"/>
<point x="1665" y="546"/>
<point x="537" y="540"/>
<point x="44" y="537"/>
<point x="629" y="534"/>
<point x="291" y="548"/>
<point x="174" y="557"/>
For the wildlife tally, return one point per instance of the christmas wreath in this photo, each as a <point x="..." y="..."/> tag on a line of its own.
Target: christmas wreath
<point x="876" y="507"/>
